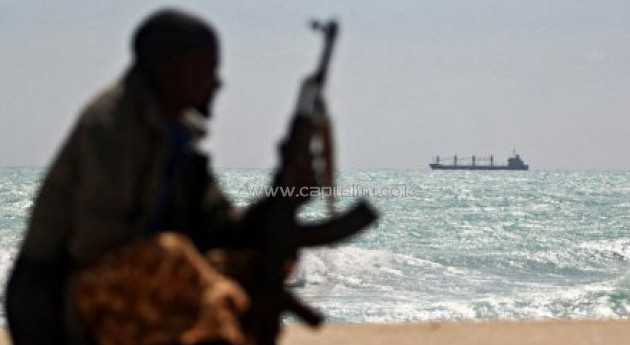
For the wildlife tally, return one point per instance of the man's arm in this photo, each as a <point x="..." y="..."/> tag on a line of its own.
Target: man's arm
<point x="35" y="293"/>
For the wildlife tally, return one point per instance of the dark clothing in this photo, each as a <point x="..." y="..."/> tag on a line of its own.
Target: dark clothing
<point x="118" y="177"/>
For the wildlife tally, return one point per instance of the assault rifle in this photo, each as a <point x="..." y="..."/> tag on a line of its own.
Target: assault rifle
<point x="312" y="107"/>
<point x="282" y="235"/>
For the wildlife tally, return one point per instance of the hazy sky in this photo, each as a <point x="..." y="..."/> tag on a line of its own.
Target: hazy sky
<point x="410" y="79"/>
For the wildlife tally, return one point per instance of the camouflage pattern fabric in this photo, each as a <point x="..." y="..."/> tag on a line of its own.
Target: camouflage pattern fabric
<point x="141" y="294"/>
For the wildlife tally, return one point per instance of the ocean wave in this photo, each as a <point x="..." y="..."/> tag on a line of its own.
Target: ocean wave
<point x="474" y="246"/>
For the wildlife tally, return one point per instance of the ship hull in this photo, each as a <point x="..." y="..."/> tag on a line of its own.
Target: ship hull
<point x="475" y="167"/>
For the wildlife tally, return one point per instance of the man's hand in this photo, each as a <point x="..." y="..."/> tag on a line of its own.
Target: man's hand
<point x="296" y="170"/>
<point x="307" y="152"/>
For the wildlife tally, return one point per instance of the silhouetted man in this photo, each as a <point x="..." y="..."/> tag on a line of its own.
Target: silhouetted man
<point x="130" y="171"/>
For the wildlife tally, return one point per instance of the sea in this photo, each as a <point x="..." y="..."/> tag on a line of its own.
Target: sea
<point x="449" y="245"/>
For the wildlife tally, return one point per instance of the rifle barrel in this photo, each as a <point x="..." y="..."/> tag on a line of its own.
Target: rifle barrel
<point x="330" y="30"/>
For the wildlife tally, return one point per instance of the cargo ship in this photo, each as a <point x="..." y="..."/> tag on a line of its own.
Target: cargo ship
<point x="478" y="163"/>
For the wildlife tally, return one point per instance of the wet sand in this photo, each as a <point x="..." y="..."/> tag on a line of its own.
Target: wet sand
<point x="486" y="333"/>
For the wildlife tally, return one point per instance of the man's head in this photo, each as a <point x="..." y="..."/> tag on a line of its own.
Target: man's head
<point x="178" y="53"/>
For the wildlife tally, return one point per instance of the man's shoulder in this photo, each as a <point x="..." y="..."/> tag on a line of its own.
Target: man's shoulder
<point x="103" y="108"/>
<point x="127" y="99"/>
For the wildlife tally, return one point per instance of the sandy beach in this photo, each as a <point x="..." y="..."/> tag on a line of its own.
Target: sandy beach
<point x="4" y="340"/>
<point x="490" y="333"/>
<point x="493" y="333"/>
